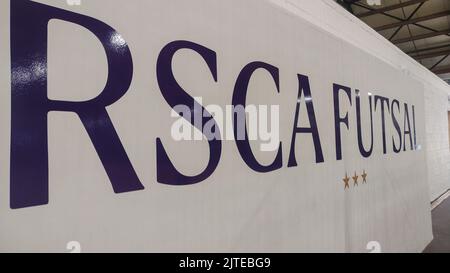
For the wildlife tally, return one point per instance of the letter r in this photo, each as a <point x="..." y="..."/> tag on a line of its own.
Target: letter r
<point x="30" y="104"/>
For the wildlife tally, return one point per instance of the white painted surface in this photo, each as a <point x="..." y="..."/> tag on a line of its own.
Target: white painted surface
<point x="296" y="209"/>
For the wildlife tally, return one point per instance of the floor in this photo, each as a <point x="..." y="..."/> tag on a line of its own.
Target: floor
<point x="441" y="229"/>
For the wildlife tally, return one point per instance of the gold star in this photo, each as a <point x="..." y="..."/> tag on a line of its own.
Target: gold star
<point x="364" y="177"/>
<point x="355" y="180"/>
<point x="346" y="180"/>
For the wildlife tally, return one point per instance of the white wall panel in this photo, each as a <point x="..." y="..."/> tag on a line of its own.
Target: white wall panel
<point x="303" y="208"/>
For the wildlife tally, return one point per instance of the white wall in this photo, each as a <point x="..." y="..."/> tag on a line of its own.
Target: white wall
<point x="305" y="208"/>
<point x="331" y="17"/>
<point x="438" y="153"/>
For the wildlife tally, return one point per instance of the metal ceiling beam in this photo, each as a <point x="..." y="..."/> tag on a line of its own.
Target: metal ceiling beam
<point x="432" y="54"/>
<point x="442" y="70"/>
<point x="409" y="18"/>
<point x="347" y="4"/>
<point x="395" y="17"/>
<point x="439" y="62"/>
<point x="390" y="8"/>
<point x="427" y="49"/>
<point x="415" y="20"/>
<point x="422" y="36"/>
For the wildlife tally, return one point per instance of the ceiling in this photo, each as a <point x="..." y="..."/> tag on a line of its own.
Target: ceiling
<point x="421" y="28"/>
